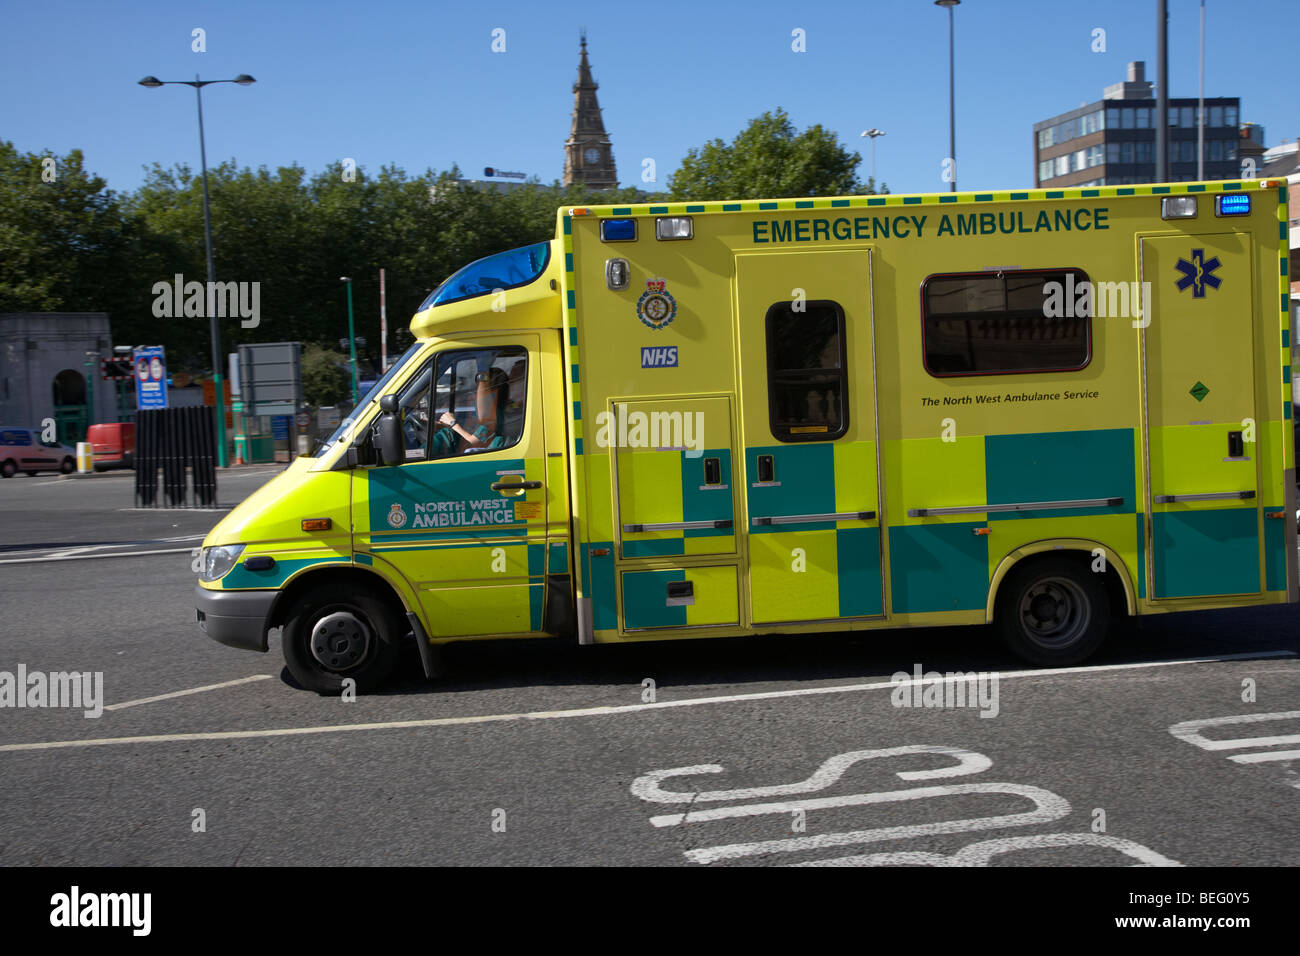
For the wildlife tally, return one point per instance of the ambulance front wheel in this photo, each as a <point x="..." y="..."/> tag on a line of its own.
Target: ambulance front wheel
<point x="330" y="638"/>
<point x="1053" y="611"/>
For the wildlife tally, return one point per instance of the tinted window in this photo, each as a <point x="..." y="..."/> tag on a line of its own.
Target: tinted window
<point x="807" y="379"/>
<point x="1004" y="322"/>
<point x="465" y="401"/>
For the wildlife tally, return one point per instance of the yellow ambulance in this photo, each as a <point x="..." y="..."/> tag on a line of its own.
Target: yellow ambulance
<point x="1039" y="409"/>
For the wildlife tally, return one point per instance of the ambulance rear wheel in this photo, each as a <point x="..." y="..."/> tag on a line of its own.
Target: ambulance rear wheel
<point x="330" y="638"/>
<point x="1053" y="611"/>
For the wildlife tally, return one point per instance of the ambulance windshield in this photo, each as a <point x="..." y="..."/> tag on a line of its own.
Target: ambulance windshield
<point x="375" y="390"/>
<point x="505" y="270"/>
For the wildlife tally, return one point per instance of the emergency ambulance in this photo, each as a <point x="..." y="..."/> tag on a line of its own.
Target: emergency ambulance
<point x="1041" y="409"/>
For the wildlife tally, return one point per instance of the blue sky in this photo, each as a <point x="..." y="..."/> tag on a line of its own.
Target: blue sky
<point x="417" y="84"/>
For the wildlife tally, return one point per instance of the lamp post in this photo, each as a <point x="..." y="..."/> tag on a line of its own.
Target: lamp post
<point x="952" y="112"/>
<point x="352" y="341"/>
<point x="873" y="133"/>
<point x="152" y="82"/>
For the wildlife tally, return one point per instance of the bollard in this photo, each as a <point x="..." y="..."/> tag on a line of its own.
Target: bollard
<point x="85" y="457"/>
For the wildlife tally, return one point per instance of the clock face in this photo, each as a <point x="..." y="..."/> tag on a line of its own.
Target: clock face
<point x="592" y="155"/>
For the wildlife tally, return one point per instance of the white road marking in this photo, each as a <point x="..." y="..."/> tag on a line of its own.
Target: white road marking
<point x="594" y="711"/>
<point x="979" y="854"/>
<point x="1048" y="806"/>
<point x="647" y="786"/>
<point x="90" y="557"/>
<point x="1190" y="731"/>
<point x="185" y="693"/>
<point x="1266" y="755"/>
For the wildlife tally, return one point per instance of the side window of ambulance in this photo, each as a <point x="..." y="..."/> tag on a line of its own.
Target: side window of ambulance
<point x="995" y="323"/>
<point x="479" y="401"/>
<point x="413" y="405"/>
<point x="807" y="372"/>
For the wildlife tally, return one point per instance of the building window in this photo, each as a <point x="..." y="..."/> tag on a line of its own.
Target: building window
<point x="1216" y="116"/>
<point x="807" y="372"/>
<point x="1187" y="117"/>
<point x="1112" y="118"/>
<point x="1044" y="138"/>
<point x="1062" y="165"/>
<point x="1230" y="116"/>
<point x="1045" y="170"/>
<point x="1143" y="117"/>
<point x="1126" y="152"/>
<point x="1095" y="157"/>
<point x="1173" y="116"/>
<point x="1112" y="152"/>
<point x="1144" y="152"/>
<point x="991" y="324"/>
<point x="1216" y="150"/>
<point x="1126" y="119"/>
<point x="1230" y="150"/>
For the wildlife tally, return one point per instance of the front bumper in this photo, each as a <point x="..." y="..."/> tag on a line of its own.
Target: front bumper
<point x="234" y="618"/>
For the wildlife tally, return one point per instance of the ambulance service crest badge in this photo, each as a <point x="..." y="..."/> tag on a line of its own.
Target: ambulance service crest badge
<point x="397" y="517"/>
<point x="656" y="307"/>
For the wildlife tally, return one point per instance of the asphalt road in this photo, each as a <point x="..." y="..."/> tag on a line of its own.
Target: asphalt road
<point x="773" y="751"/>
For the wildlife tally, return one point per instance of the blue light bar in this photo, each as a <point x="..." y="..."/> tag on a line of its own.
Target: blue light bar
<point x="1232" y="204"/>
<point x="617" y="230"/>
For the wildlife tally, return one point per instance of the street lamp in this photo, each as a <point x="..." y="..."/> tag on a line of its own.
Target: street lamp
<point x="873" y="133"/>
<point x="152" y="82"/>
<point x="952" y="114"/>
<point x="352" y="341"/>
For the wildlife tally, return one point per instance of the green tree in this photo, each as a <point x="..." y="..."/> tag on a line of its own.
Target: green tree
<point x="325" y="379"/>
<point x="65" y="241"/>
<point x="769" y="159"/>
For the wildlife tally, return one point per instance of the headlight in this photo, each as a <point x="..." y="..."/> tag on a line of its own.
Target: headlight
<point x="217" y="561"/>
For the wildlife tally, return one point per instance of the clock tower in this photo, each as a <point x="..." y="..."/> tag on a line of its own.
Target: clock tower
<point x="588" y="156"/>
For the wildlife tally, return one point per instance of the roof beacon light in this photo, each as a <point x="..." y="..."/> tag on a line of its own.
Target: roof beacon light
<point x="1232" y="204"/>
<point x="617" y="230"/>
<point x="674" y="227"/>
<point x="1178" y="207"/>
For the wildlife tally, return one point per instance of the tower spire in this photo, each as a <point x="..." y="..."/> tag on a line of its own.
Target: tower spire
<point x="588" y="156"/>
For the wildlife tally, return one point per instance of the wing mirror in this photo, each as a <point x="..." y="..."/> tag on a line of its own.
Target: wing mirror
<point x="388" y="432"/>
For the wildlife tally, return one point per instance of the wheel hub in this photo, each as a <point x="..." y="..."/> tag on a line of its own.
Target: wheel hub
<point x="340" y="640"/>
<point x="1054" y="611"/>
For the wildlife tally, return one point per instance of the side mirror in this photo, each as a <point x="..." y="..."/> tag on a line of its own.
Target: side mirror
<point x="388" y="432"/>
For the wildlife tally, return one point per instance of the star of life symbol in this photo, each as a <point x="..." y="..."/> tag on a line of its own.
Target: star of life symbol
<point x="397" y="517"/>
<point x="1198" y="273"/>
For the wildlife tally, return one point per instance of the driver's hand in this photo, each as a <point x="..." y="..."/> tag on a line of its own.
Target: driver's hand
<point x="447" y="418"/>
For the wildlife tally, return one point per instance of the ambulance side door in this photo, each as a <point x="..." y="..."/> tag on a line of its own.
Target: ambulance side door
<point x="465" y="523"/>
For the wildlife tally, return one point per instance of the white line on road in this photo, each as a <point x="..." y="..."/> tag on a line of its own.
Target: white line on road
<point x="598" y="711"/>
<point x="184" y="693"/>
<point x="88" y="557"/>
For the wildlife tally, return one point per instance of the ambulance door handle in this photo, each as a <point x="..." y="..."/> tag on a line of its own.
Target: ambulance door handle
<point x="809" y="519"/>
<point x="518" y="486"/>
<point x="1212" y="496"/>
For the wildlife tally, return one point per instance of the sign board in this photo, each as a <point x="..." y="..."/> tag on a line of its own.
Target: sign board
<point x="280" y="427"/>
<point x="150" y="377"/>
<point x="270" y="378"/>
<point x="328" y="418"/>
<point x="303" y="419"/>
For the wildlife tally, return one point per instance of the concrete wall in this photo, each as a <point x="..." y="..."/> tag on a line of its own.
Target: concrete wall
<point x="35" y="347"/>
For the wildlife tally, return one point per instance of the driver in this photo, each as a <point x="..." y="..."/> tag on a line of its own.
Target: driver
<point x="491" y="392"/>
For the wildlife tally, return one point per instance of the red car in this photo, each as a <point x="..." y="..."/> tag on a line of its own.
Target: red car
<point x="113" y="444"/>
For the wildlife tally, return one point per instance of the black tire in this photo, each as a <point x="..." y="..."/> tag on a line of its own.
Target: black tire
<point x="1052" y="611"/>
<point x="68" y="465"/>
<point x="8" y="468"/>
<point x="358" y="638"/>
